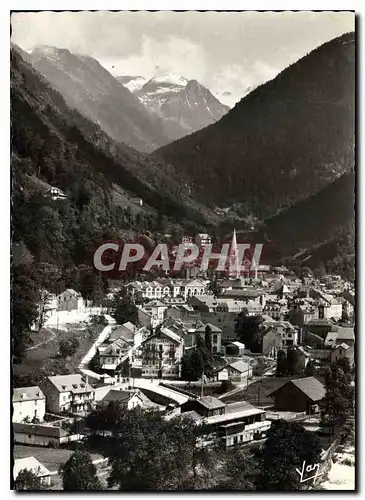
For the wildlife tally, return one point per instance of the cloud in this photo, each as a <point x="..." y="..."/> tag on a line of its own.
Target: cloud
<point x="175" y="55"/>
<point x="225" y="51"/>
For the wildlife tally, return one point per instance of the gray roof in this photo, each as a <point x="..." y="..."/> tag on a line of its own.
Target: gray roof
<point x="27" y="394"/>
<point x="214" y="329"/>
<point x="115" y="395"/>
<point x="74" y="383"/>
<point x="345" y="332"/>
<point x="240" y="366"/>
<point x="311" y="387"/>
<point x="211" y="402"/>
<point x="39" y="430"/>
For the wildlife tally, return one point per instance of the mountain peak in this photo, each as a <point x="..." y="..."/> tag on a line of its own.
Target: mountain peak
<point x="171" y="78"/>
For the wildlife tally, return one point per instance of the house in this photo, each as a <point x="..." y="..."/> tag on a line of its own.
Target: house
<point x="56" y="194"/>
<point x="160" y="354"/>
<point x="288" y="332"/>
<point x="342" y="351"/>
<point x="44" y="434"/>
<point x="70" y="300"/>
<point x="235" y="348"/>
<point x="272" y="343"/>
<point x="29" y="403"/>
<point x="110" y="355"/>
<point x="68" y="393"/>
<point x="299" y="395"/>
<point x="33" y="465"/>
<point x="128" y="399"/>
<point x="203" y="240"/>
<point x="236" y="371"/>
<point x="233" y="423"/>
<point x="215" y="336"/>
<point x="339" y="335"/>
<point x="156" y="309"/>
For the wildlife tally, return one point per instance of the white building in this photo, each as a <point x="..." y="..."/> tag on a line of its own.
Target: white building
<point x="29" y="403"/>
<point x="68" y="393"/>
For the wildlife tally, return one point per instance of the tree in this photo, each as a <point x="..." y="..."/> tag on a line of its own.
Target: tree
<point x="309" y="370"/>
<point x="338" y="403"/>
<point x="148" y="452"/>
<point x="281" y="366"/>
<point x="197" y="361"/>
<point x="28" y="480"/>
<point x="124" y="308"/>
<point x="68" y="347"/>
<point x="239" y="471"/>
<point x="287" y="446"/>
<point x="248" y="329"/>
<point x="25" y="298"/>
<point x="208" y="337"/>
<point x="292" y="362"/>
<point x="79" y="473"/>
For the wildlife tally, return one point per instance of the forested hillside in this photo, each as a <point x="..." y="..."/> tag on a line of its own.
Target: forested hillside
<point x="317" y="230"/>
<point x="54" y="240"/>
<point x="283" y="142"/>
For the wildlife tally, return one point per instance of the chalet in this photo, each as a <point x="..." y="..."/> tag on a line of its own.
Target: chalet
<point x="299" y="395"/>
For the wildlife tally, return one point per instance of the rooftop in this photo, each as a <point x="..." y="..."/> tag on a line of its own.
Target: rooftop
<point x="27" y="394"/>
<point x="31" y="464"/>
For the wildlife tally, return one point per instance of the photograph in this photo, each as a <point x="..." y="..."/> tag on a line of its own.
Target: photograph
<point x="183" y="235"/>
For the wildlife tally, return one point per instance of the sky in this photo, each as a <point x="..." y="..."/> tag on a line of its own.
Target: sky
<point x="228" y="52"/>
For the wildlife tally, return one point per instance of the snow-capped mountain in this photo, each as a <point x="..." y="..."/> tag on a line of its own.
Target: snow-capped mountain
<point x="87" y="86"/>
<point x="133" y="83"/>
<point x="156" y="91"/>
<point x="184" y="106"/>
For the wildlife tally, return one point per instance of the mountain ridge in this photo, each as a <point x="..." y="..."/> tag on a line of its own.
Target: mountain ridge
<point x="284" y="141"/>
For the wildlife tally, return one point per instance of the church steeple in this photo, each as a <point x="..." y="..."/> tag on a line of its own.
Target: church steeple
<point x="233" y="263"/>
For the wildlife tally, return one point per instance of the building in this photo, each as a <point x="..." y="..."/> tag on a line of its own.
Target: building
<point x="70" y="300"/>
<point x="233" y="423"/>
<point x="236" y="371"/>
<point x="215" y="336"/>
<point x="272" y="343"/>
<point x="340" y="335"/>
<point x="342" y="351"/>
<point x="68" y="393"/>
<point x="56" y="194"/>
<point x="156" y="309"/>
<point x="160" y="354"/>
<point x="33" y="465"/>
<point x="110" y="355"/>
<point x="299" y="395"/>
<point x="289" y="333"/>
<point x="42" y="434"/>
<point x="128" y="399"/>
<point x="203" y="240"/>
<point x="29" y="404"/>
